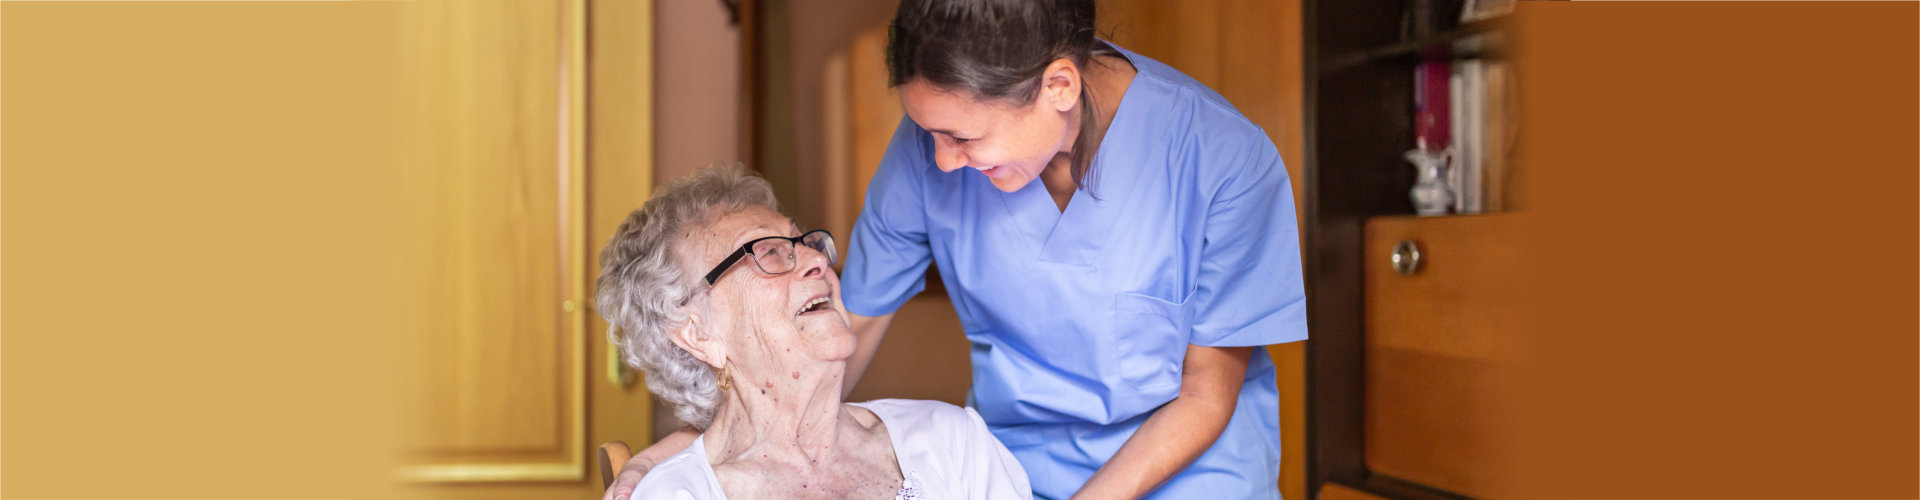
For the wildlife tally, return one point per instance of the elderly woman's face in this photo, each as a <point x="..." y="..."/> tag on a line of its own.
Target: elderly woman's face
<point x="770" y="321"/>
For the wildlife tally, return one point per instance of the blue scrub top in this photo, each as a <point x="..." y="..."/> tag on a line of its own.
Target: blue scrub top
<point x="1079" y="320"/>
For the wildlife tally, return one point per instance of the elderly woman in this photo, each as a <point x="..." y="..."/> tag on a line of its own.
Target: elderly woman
<point x="734" y="315"/>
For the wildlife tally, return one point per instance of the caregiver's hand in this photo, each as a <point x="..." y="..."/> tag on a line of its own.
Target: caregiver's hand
<point x="1179" y="431"/>
<point x="638" y="466"/>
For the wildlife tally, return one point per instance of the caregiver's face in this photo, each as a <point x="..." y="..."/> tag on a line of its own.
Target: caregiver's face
<point x="771" y="321"/>
<point x="1010" y="144"/>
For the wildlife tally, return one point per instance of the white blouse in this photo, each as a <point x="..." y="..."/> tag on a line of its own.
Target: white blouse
<point x="945" y="452"/>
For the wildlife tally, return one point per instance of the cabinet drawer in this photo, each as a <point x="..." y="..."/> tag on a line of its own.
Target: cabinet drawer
<point x="1440" y="345"/>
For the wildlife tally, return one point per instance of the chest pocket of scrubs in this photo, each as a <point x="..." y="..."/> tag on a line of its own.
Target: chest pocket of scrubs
<point x="1151" y="338"/>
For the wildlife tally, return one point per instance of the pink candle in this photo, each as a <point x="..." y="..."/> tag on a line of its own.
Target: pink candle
<point x="1430" y="105"/>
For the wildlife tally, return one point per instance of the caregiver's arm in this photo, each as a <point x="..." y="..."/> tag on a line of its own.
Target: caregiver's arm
<point x="867" y="334"/>
<point x="1179" y="431"/>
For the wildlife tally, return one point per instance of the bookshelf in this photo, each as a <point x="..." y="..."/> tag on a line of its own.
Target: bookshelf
<point x="1483" y="39"/>
<point x="1359" y="83"/>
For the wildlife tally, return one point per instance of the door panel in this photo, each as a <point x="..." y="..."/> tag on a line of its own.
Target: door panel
<point x="501" y="394"/>
<point x="513" y="382"/>
<point x="1439" y="345"/>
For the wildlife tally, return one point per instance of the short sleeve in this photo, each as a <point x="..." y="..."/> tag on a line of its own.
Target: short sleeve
<point x="990" y="469"/>
<point x="683" y="476"/>
<point x="888" y="254"/>
<point x="949" y="449"/>
<point x="1250" y="289"/>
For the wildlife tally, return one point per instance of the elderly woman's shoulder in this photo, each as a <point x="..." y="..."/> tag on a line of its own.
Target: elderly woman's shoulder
<point x="683" y="476"/>
<point x="949" y="448"/>
<point x="922" y="414"/>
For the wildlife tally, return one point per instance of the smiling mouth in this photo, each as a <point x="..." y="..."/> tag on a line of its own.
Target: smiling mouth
<point x="816" y="305"/>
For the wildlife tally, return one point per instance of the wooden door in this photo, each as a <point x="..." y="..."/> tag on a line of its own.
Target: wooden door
<point x="1441" y="341"/>
<point x="514" y="382"/>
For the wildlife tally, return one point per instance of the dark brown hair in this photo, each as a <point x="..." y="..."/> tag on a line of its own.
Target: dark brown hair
<point x="997" y="49"/>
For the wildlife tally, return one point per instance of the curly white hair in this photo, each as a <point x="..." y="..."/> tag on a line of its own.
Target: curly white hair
<point x="642" y="286"/>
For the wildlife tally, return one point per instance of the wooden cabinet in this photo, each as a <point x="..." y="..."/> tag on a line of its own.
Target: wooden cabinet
<point x="1440" y="343"/>
<point x="1407" y="373"/>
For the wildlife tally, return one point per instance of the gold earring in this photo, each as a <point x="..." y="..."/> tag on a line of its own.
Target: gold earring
<point x="725" y="383"/>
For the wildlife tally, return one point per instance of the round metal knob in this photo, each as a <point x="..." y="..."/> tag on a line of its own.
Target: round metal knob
<point x="1406" y="258"/>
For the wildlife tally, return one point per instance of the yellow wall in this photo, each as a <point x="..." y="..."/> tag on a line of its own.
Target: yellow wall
<point x="230" y="227"/>
<point x="201" y="295"/>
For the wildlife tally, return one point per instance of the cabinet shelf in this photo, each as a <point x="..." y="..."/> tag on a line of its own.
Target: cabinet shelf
<point x="1483" y="39"/>
<point x="1414" y="216"/>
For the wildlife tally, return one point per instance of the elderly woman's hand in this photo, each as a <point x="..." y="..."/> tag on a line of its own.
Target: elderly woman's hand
<point x="638" y="466"/>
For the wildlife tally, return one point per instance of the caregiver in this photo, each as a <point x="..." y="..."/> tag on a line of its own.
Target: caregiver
<point x="1117" y="239"/>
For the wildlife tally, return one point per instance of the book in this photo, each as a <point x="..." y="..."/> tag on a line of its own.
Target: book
<point x="1475" y="130"/>
<point x="1457" y="89"/>
<point x="1470" y="139"/>
<point x="1498" y="137"/>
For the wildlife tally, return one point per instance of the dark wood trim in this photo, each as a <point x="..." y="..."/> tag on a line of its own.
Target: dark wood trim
<point x="1350" y="159"/>
<point x="750" y="21"/>
<point x="1330" y="439"/>
<point x="1390" y="487"/>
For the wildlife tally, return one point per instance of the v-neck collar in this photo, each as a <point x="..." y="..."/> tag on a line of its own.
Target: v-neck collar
<point x="1072" y="236"/>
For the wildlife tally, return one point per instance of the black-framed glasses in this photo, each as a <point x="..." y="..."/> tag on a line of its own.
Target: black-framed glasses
<point x="774" y="255"/>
